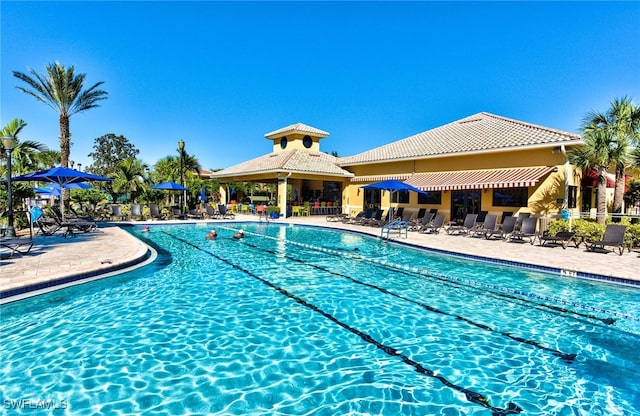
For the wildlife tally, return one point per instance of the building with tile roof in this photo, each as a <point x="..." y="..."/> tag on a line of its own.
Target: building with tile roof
<point x="483" y="162"/>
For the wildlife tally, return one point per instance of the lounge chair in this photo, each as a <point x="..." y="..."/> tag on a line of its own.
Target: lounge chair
<point x="375" y="218"/>
<point x="155" y="212"/>
<point x="136" y="212"/>
<point x="503" y="232"/>
<point x="224" y="213"/>
<point x="359" y="220"/>
<point x="194" y="214"/>
<point x="399" y="213"/>
<point x="521" y="218"/>
<point x="426" y="219"/>
<point x="562" y="238"/>
<point x="465" y="228"/>
<point x="380" y="219"/>
<point x="47" y="225"/>
<point x="116" y="212"/>
<point x="613" y="237"/>
<point x="17" y="245"/>
<point x="433" y="227"/>
<point x="418" y="218"/>
<point x="177" y="214"/>
<point x="489" y="225"/>
<point x="526" y="232"/>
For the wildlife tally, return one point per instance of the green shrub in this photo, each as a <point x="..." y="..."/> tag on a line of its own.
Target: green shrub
<point x="589" y="228"/>
<point x="557" y="226"/>
<point x="273" y="208"/>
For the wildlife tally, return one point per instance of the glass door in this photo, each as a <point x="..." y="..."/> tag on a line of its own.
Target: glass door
<point x="464" y="202"/>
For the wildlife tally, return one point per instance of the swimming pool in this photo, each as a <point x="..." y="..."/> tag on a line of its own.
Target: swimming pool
<point x="300" y="320"/>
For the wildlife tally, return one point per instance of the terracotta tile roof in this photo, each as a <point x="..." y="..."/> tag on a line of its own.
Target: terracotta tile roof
<point x="476" y="133"/>
<point x="479" y="179"/>
<point x="295" y="160"/>
<point x="297" y="128"/>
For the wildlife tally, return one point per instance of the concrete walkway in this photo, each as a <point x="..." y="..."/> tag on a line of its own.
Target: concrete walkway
<point x="111" y="248"/>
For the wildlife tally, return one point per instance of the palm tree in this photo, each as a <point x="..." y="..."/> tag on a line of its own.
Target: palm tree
<point x="623" y="119"/>
<point x="62" y="89"/>
<point x="595" y="154"/>
<point x="130" y="177"/>
<point x="48" y="158"/>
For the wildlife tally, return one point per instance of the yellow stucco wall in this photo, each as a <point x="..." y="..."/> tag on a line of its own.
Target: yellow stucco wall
<point x="543" y="198"/>
<point x="295" y="141"/>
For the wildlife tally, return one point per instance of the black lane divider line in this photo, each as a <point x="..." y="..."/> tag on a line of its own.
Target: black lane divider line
<point x="536" y="305"/>
<point x="472" y="396"/>
<point x="568" y="358"/>
<point x="540" y="306"/>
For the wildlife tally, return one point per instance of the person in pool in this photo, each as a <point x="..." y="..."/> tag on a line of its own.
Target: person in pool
<point x="239" y="234"/>
<point x="212" y="234"/>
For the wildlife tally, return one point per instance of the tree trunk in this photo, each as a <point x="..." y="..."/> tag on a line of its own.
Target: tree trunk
<point x="618" y="196"/>
<point x="65" y="149"/>
<point x="601" y="195"/>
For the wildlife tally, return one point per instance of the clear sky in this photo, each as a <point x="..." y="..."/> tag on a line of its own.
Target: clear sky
<point x="220" y="75"/>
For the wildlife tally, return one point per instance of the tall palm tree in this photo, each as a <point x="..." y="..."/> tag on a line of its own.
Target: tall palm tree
<point x="623" y="119"/>
<point x="63" y="90"/>
<point x="596" y="154"/>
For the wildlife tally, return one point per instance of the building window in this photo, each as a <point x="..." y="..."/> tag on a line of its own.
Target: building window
<point x="283" y="142"/>
<point x="572" y="197"/>
<point x="307" y="141"/>
<point x="400" y="197"/>
<point x="511" y="197"/>
<point x="431" y="197"/>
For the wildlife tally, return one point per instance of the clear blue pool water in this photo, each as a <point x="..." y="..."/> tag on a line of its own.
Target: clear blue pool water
<point x="307" y="321"/>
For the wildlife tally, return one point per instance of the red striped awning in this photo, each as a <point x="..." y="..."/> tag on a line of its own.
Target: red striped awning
<point x="479" y="179"/>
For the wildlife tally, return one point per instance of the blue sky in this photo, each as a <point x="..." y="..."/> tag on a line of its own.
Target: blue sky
<point x="220" y="75"/>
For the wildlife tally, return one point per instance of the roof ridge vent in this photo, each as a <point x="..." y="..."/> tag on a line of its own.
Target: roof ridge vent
<point x="470" y="120"/>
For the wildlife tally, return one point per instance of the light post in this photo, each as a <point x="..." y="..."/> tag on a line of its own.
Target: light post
<point x="183" y="198"/>
<point x="9" y="143"/>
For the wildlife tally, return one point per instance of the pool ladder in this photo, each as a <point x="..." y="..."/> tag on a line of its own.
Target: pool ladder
<point x="398" y="226"/>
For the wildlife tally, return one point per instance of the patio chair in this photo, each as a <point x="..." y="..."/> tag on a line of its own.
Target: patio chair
<point x="360" y="219"/>
<point x="116" y="212"/>
<point x="489" y="224"/>
<point x="136" y="212"/>
<point x="503" y="232"/>
<point x="418" y="218"/>
<point x="224" y="213"/>
<point x="399" y="213"/>
<point x="526" y="232"/>
<point x="47" y="225"/>
<point x="562" y="238"/>
<point x="194" y="214"/>
<point x="377" y="220"/>
<point x="209" y="211"/>
<point x="16" y="245"/>
<point x="521" y="218"/>
<point x="155" y="212"/>
<point x="177" y="214"/>
<point x="426" y="219"/>
<point x="465" y="228"/>
<point x="613" y="237"/>
<point x="433" y="227"/>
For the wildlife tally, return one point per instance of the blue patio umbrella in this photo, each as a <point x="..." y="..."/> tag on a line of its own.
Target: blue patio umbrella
<point x="60" y="176"/>
<point x="169" y="186"/>
<point x="392" y="186"/>
<point x="203" y="194"/>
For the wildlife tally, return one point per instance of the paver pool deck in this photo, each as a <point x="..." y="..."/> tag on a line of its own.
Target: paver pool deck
<point x="112" y="249"/>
